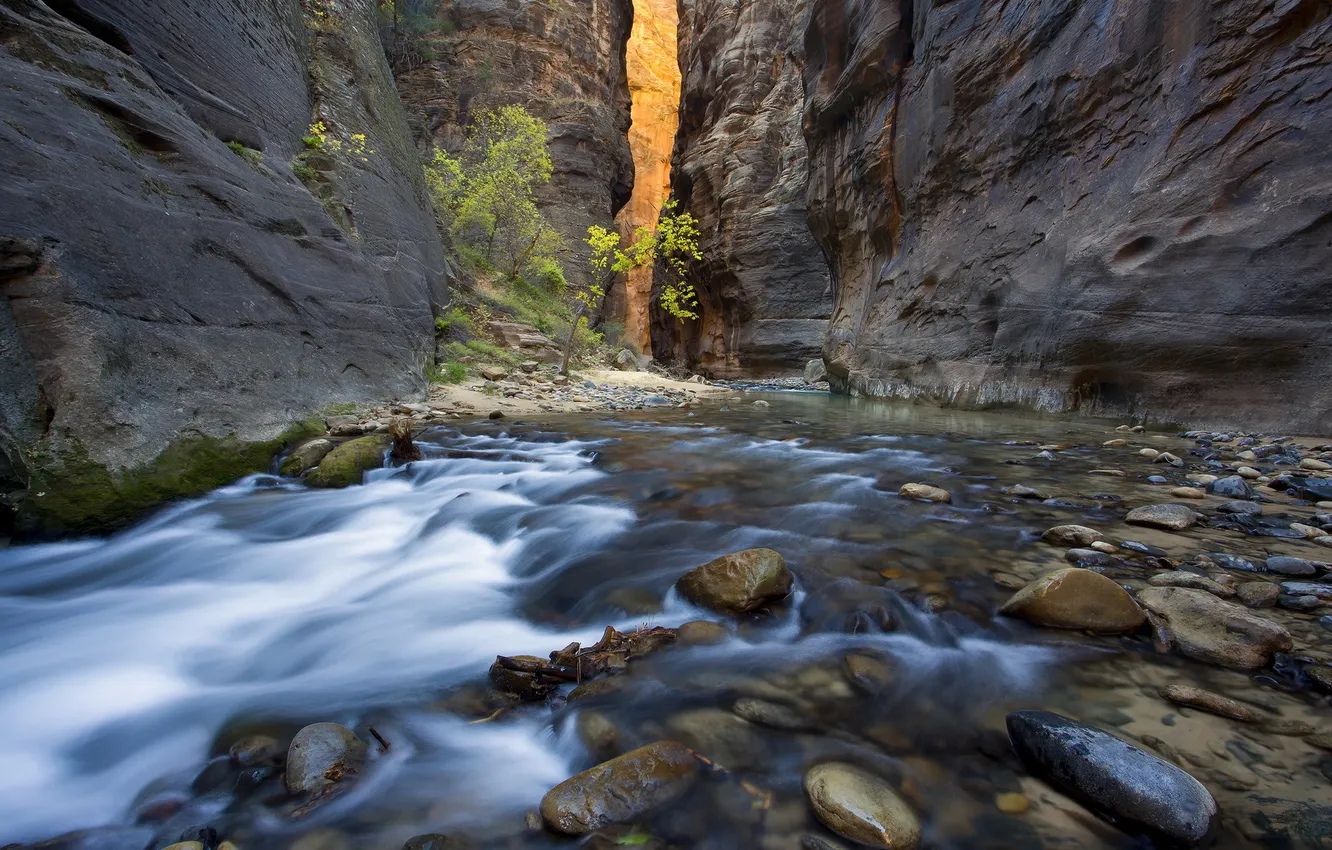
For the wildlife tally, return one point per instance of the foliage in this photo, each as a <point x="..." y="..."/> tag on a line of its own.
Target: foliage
<point x="672" y="245"/>
<point x="319" y="14"/>
<point x="485" y="198"/>
<point x="454" y="320"/>
<point x="406" y="29"/>
<point x="320" y="138"/>
<point x="449" y="372"/>
<point x="251" y="156"/>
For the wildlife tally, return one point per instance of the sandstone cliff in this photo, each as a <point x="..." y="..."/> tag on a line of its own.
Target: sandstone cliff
<point x="159" y="285"/>
<point x="1111" y="206"/>
<point x="563" y="60"/>
<point x="740" y="166"/>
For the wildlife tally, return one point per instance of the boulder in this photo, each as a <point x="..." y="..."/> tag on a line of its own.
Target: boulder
<point x="925" y="493"/>
<point x="305" y="457"/>
<point x="1138" y="792"/>
<point x="1170" y="517"/>
<point x="621" y="790"/>
<point x="739" y="583"/>
<point x="815" y="371"/>
<point x="322" y="754"/>
<point x="346" y="464"/>
<point x="493" y="373"/>
<point x="1071" y="535"/>
<point x="1201" y="626"/>
<point x="860" y="806"/>
<point x="1074" y="598"/>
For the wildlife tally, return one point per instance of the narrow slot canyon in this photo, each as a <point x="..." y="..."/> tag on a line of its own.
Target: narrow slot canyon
<point x="654" y="85"/>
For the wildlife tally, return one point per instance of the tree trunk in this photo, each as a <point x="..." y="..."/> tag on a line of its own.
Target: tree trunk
<point x="568" y="346"/>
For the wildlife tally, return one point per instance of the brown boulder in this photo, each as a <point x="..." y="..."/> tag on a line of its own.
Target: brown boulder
<point x="739" y="583"/>
<point x="1074" y="598"/>
<point x="620" y="790"/>
<point x="1201" y="626"/>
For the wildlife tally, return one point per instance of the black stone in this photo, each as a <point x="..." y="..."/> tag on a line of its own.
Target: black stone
<point x="1237" y="507"/>
<point x="1313" y="489"/>
<point x="1132" y="789"/>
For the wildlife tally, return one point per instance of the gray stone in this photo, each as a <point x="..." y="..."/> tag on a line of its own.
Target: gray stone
<point x="1071" y="535"/>
<point x="815" y="371"/>
<point x="321" y="754"/>
<point x="1170" y="517"/>
<point x="1089" y="558"/>
<point x="1136" y="791"/>
<point x="1287" y="566"/>
<point x="1232" y="486"/>
<point x="1307" y="588"/>
<point x="1233" y="562"/>
<point x="1237" y="507"/>
<point x="621" y="790"/>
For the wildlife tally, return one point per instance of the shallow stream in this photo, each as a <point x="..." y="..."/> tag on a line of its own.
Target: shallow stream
<point x="128" y="663"/>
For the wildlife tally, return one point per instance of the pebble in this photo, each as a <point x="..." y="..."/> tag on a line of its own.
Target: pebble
<point x="1022" y="491"/>
<point x="1248" y="473"/>
<point x="1167" y="457"/>
<point x="1071" y="535"/>
<point x="1233" y="562"/>
<point x="1089" y="557"/>
<point x="1232" y="486"/>
<point x="1307" y="588"/>
<point x="1236" y="507"/>
<point x="1187" y="493"/>
<point x="1183" y="578"/>
<point x="1209" y="702"/>
<point x="1306" y="530"/>
<point x="1149" y="453"/>
<point x="1314" y="465"/>
<point x="1011" y="804"/>
<point x="1298" y="603"/>
<point x="1258" y="594"/>
<point x="1286" y="566"/>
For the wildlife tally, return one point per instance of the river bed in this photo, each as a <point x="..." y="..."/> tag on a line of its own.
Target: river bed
<point x="128" y="663"/>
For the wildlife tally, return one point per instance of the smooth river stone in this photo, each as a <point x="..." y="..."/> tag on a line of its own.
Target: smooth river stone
<point x="1170" y="517"/>
<point x="621" y="790"/>
<point x="321" y="754"/>
<point x="1204" y="627"/>
<point x="1138" y="792"/>
<point x="860" y="806"/>
<point x="1074" y="598"/>
<point x="739" y="583"/>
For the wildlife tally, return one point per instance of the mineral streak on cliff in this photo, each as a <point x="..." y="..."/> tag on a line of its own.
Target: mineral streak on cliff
<point x="654" y="85"/>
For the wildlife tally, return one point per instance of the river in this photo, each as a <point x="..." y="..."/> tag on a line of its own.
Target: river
<point x="128" y="663"/>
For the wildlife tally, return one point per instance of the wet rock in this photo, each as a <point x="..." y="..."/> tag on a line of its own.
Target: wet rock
<point x="1183" y="578"/>
<point x="495" y="414"/>
<point x="1088" y="557"/>
<point x="868" y="673"/>
<point x="1187" y="493"/>
<point x="860" y="806"/>
<point x="1314" y="465"/>
<point x="771" y="714"/>
<point x="1136" y="791"/>
<point x="254" y="749"/>
<point x="1150" y="454"/>
<point x="1071" y="535"/>
<point x="1320" y="677"/>
<point x="435" y="841"/>
<point x="1012" y="803"/>
<point x="924" y="493"/>
<point x="1233" y="562"/>
<point x="1297" y="603"/>
<point x="1209" y="702"/>
<point x="347" y="463"/>
<point x="305" y="457"/>
<point x="621" y="790"/>
<point x="1232" y="487"/>
<point x="1074" y="598"/>
<point x="1258" y="594"/>
<point x="1242" y="508"/>
<point x="1170" y="517"/>
<point x="1307" y="588"/>
<point x="701" y="633"/>
<point x="1201" y="626"/>
<point x="739" y="583"/>
<point x="1248" y="473"/>
<point x="1022" y="491"/>
<point x="720" y="736"/>
<point x="599" y="735"/>
<point x="1167" y="457"/>
<point x="1326" y="622"/>
<point x="849" y="606"/>
<point x="103" y="838"/>
<point x="322" y="754"/>
<point x="323" y="839"/>
<point x="1143" y="548"/>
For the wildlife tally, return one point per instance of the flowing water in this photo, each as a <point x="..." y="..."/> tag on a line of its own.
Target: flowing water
<point x="129" y="663"/>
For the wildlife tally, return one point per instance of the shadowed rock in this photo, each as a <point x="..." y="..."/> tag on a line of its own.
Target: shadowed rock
<point x="620" y="790"/>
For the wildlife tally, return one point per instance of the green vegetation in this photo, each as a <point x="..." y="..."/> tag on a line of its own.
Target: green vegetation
<point x="251" y="156"/>
<point x="71" y="493"/>
<point x="448" y="372"/>
<point x="485" y="198"/>
<point x="341" y="408"/>
<point x="319" y="138"/>
<point x="672" y="246"/>
<point x="454" y="319"/>
<point x="347" y="463"/>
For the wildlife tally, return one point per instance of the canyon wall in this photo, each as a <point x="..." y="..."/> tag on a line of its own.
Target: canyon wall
<point x="564" y="61"/>
<point x="182" y="276"/>
<point x="1111" y="206"/>
<point x="740" y="167"/>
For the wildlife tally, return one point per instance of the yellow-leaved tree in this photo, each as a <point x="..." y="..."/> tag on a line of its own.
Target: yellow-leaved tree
<point x="672" y="245"/>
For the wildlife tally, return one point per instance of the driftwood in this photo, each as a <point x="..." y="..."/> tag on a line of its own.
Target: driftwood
<point x="534" y="680"/>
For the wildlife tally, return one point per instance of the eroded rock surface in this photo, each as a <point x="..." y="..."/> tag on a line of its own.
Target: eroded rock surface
<point x="740" y="166"/>
<point x="1077" y="206"/>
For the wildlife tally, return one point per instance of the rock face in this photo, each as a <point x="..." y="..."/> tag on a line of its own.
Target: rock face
<point x="160" y="284"/>
<point x="563" y="60"/>
<point x="1139" y="792"/>
<point x="620" y="790"/>
<point x="1077" y="206"/>
<point x="1074" y="598"/>
<point x="740" y="167"/>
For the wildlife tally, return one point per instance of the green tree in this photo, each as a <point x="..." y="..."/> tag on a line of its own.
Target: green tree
<point x="672" y="245"/>
<point x="485" y="198"/>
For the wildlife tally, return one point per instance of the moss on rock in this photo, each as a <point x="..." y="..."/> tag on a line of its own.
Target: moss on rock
<point x="345" y="465"/>
<point x="70" y="493"/>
